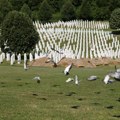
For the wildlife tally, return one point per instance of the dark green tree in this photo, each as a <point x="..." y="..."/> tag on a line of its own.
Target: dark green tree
<point x="84" y="11"/>
<point x="102" y="13"/>
<point x="93" y="10"/>
<point x="17" y="4"/>
<point x="34" y="15"/>
<point x="56" y="4"/>
<point x="113" y="4"/>
<point x="5" y="7"/>
<point x="115" y="19"/>
<point x="76" y="3"/>
<point x="45" y="12"/>
<point x="102" y="3"/>
<point x="1" y="17"/>
<point x="68" y="11"/>
<point x="34" y="4"/>
<point x="18" y="32"/>
<point x="25" y="9"/>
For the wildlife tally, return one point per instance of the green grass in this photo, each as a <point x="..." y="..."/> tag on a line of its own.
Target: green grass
<point x="22" y="98"/>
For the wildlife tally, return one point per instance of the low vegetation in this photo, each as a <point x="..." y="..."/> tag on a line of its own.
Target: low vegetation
<point x="22" y="98"/>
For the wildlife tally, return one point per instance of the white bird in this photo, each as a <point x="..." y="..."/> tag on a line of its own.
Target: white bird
<point x="112" y="74"/>
<point x="107" y="79"/>
<point x="117" y="76"/>
<point x="76" y="80"/>
<point x="111" y="81"/>
<point x="69" y="80"/>
<point x="52" y="61"/>
<point x="67" y="69"/>
<point x="37" y="78"/>
<point x="56" y="50"/>
<point x="93" y="77"/>
<point x="25" y="65"/>
<point x="117" y="70"/>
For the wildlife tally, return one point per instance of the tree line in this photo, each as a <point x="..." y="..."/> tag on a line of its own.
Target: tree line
<point x="18" y="34"/>
<point x="54" y="10"/>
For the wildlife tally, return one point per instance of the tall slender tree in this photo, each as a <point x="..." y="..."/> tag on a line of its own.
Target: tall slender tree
<point x="84" y="11"/>
<point x="17" y="4"/>
<point x="45" y="12"/>
<point x="68" y="11"/>
<point x="25" y="9"/>
<point x="56" y="4"/>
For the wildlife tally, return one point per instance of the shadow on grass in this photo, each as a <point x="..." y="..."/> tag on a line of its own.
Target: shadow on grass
<point x="70" y="93"/>
<point x="75" y="106"/>
<point x="109" y="107"/>
<point x="116" y="116"/>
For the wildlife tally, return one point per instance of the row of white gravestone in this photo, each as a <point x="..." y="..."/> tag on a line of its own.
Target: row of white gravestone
<point x="11" y="57"/>
<point x="48" y="36"/>
<point x="77" y="39"/>
<point x="2" y="57"/>
<point x="75" y="24"/>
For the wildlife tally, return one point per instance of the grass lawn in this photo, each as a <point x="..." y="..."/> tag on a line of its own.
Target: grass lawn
<point x="22" y="98"/>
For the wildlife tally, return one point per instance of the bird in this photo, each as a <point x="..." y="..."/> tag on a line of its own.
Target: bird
<point x="67" y="69"/>
<point x="25" y="65"/>
<point x="117" y="70"/>
<point x="93" y="77"/>
<point x="37" y="78"/>
<point x="111" y="74"/>
<point x="115" y="74"/>
<point x="107" y="79"/>
<point x="56" y="50"/>
<point x="52" y="61"/>
<point x="76" y="80"/>
<point x="69" y="80"/>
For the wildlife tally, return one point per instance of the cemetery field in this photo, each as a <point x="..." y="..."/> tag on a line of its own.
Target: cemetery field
<point x="22" y="98"/>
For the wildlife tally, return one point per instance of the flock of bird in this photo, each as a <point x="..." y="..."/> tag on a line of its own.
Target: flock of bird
<point x="109" y="78"/>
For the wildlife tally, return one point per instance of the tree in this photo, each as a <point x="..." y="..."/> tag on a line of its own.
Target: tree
<point x="45" y="12"/>
<point x="5" y="7"/>
<point x="34" y="15"/>
<point x="68" y="12"/>
<point x="34" y="4"/>
<point x="84" y="11"/>
<point x="102" y="3"/>
<point x="18" y="32"/>
<point x="115" y="19"/>
<point x="102" y="13"/>
<point x="17" y="4"/>
<point x="55" y="4"/>
<point x="76" y="2"/>
<point x="25" y="9"/>
<point x="113" y="4"/>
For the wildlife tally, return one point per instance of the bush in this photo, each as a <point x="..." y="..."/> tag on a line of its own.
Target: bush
<point x="115" y="19"/>
<point x="116" y="32"/>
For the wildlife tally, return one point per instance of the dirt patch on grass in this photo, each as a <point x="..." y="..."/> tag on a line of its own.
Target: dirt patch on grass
<point x="76" y="62"/>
